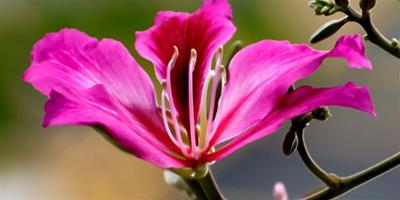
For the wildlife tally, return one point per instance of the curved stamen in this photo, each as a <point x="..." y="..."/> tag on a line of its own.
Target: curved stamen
<point x="174" y="114"/>
<point x="214" y="91"/>
<point x="165" y="118"/>
<point x="192" y="63"/>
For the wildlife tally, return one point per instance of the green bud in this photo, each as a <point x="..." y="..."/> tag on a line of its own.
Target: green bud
<point x="322" y="113"/>
<point x="289" y="143"/>
<point x="325" y="9"/>
<point x="333" y="10"/>
<point x="325" y="2"/>
<point x="367" y="5"/>
<point x="365" y="37"/>
<point x="327" y="30"/>
<point x="342" y="3"/>
<point x="395" y="42"/>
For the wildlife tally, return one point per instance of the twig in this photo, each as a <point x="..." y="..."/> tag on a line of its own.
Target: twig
<point x="373" y="33"/>
<point x="351" y="182"/>
<point x="336" y="186"/>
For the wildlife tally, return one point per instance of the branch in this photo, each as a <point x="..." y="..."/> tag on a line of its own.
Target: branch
<point x="351" y="182"/>
<point x="335" y="186"/>
<point x="373" y="33"/>
<point x="329" y="7"/>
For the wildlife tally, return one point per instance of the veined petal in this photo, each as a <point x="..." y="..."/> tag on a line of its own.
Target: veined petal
<point x="300" y="101"/>
<point x="203" y="31"/>
<point x="261" y="74"/>
<point x="75" y="61"/>
<point x="95" y="107"/>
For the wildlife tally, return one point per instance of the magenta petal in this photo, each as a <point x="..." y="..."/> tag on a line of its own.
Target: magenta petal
<point x="302" y="100"/>
<point x="261" y="74"/>
<point x="95" y="107"/>
<point x="72" y="60"/>
<point x="203" y="30"/>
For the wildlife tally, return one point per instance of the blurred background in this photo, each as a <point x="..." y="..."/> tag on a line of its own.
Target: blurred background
<point x="77" y="163"/>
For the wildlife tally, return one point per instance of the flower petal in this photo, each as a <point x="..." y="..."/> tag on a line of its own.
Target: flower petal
<point x="75" y="61"/>
<point x="261" y="74"/>
<point x="300" y="101"/>
<point x="95" y="107"/>
<point x="203" y="30"/>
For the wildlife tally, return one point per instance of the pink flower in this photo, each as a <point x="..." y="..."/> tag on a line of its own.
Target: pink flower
<point x="98" y="83"/>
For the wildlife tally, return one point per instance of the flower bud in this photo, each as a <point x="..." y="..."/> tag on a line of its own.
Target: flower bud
<point x="280" y="192"/>
<point x="325" y="7"/>
<point x="342" y="3"/>
<point x="289" y="143"/>
<point x="322" y="113"/>
<point x="367" y="5"/>
<point x="395" y="42"/>
<point x="328" y="29"/>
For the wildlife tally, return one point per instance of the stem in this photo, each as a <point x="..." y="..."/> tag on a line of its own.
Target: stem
<point x="196" y="189"/>
<point x="351" y="182"/>
<point x="329" y="180"/>
<point x="210" y="187"/>
<point x="373" y="33"/>
<point x="205" y="188"/>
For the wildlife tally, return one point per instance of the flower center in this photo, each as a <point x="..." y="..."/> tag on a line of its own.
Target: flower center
<point x="195" y="142"/>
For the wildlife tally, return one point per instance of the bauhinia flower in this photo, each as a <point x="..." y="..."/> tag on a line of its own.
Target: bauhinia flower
<point x="98" y="83"/>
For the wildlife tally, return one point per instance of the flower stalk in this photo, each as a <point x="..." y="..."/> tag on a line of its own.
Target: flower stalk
<point x="205" y="187"/>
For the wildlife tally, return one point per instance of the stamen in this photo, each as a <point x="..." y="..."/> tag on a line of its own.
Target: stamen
<point x="174" y="114"/>
<point x="192" y="63"/>
<point x="164" y="116"/>
<point x="203" y="113"/>
<point x="214" y="91"/>
<point x="223" y="77"/>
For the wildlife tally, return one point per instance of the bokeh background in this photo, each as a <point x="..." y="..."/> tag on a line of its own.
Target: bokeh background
<point x="77" y="163"/>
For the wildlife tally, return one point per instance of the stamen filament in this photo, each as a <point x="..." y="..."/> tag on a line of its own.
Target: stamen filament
<point x="165" y="118"/>
<point x="214" y="91"/>
<point x="174" y="114"/>
<point x="203" y="113"/>
<point x="192" y="63"/>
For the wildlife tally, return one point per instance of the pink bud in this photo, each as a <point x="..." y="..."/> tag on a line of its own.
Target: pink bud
<point x="280" y="191"/>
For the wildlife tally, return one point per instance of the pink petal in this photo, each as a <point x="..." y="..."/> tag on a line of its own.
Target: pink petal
<point x="302" y="100"/>
<point x="203" y="30"/>
<point x="75" y="61"/>
<point x="96" y="107"/>
<point x="261" y="74"/>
